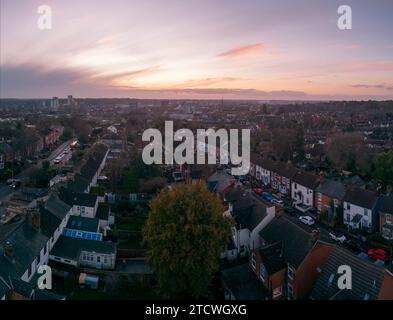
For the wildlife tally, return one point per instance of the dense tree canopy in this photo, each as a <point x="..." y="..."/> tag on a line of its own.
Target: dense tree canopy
<point x="383" y="167"/>
<point x="185" y="234"/>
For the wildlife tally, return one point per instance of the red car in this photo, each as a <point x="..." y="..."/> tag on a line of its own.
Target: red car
<point x="378" y="254"/>
<point x="258" y="191"/>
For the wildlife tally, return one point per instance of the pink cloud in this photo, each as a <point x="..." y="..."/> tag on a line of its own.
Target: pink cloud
<point x="257" y="49"/>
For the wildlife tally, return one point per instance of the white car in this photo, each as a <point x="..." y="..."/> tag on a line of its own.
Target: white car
<point x="337" y="238"/>
<point x="307" y="220"/>
<point x="278" y="202"/>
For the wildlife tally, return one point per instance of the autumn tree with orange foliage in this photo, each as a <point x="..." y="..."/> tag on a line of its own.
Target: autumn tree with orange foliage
<point x="185" y="234"/>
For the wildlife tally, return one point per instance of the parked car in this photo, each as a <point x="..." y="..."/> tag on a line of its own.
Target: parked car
<point x="337" y="237"/>
<point x="378" y="254"/>
<point x="267" y="196"/>
<point x="313" y="210"/>
<point x="278" y="202"/>
<point x="354" y="245"/>
<point x="15" y="185"/>
<point x="307" y="220"/>
<point x="302" y="207"/>
<point x="290" y="210"/>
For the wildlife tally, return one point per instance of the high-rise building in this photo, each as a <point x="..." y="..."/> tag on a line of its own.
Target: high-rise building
<point x="54" y="104"/>
<point x="70" y="100"/>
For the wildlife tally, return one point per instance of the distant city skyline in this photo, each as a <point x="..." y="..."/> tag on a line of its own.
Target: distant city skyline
<point x="172" y="49"/>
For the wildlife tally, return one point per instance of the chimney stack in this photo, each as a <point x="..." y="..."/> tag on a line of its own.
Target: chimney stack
<point x="8" y="249"/>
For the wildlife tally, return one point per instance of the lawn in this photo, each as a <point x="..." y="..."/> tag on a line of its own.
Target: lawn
<point x="128" y="226"/>
<point x="130" y="244"/>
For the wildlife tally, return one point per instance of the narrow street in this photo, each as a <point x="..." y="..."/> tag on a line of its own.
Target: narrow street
<point x="6" y="192"/>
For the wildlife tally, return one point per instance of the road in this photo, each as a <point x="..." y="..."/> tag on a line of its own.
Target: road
<point x="6" y="192"/>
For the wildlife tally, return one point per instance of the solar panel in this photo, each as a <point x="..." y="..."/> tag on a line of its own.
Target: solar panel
<point x="82" y="234"/>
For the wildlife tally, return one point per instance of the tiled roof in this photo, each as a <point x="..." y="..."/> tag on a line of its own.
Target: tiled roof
<point x="70" y="248"/>
<point x="362" y="198"/>
<point x="367" y="277"/>
<point x="306" y="179"/>
<point x="77" y="198"/>
<point x="243" y="283"/>
<point x="387" y="204"/>
<point x="272" y="257"/>
<point x="296" y="241"/>
<point x="331" y="188"/>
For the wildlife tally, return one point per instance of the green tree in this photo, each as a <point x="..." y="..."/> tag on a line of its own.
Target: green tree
<point x="185" y="234"/>
<point x="383" y="167"/>
<point x="299" y="144"/>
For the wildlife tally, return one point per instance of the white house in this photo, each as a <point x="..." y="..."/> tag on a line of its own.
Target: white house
<point x="361" y="209"/>
<point x="250" y="216"/>
<point x="303" y="186"/>
<point x="82" y="204"/>
<point x="84" y="253"/>
<point x="263" y="168"/>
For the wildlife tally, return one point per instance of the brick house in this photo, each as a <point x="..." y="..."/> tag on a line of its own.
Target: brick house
<point x="281" y="177"/>
<point x="297" y="245"/>
<point x="329" y="196"/>
<point x="386" y="218"/>
<point x="270" y="268"/>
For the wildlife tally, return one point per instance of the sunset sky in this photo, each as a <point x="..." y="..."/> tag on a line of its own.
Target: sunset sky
<point x="199" y="49"/>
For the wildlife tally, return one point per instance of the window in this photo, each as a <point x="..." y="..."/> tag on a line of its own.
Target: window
<point x="98" y="259"/>
<point x="290" y="292"/>
<point x="319" y="196"/>
<point x="253" y="260"/>
<point x="277" y="292"/>
<point x="348" y="206"/>
<point x="388" y="218"/>
<point x="262" y="272"/>
<point x="295" y="185"/>
<point x="290" y="272"/>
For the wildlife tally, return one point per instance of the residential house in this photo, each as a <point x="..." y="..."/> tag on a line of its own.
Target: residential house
<point x="303" y="186"/>
<point x="93" y="167"/>
<point x="82" y="204"/>
<point x="250" y="216"/>
<point x="369" y="280"/>
<point x="361" y="210"/>
<point x="7" y="152"/>
<point x="116" y="144"/>
<point x="329" y="196"/>
<point x="281" y="177"/>
<point x="53" y="217"/>
<point x="24" y="247"/>
<point x="261" y="168"/>
<point x="220" y="183"/>
<point x="270" y="267"/>
<point x="240" y="283"/>
<point x="84" y="253"/>
<point x="83" y="228"/>
<point x="386" y="218"/>
<point x="296" y="246"/>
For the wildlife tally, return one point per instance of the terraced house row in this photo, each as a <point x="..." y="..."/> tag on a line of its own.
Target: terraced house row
<point x="362" y="209"/>
<point x="65" y="228"/>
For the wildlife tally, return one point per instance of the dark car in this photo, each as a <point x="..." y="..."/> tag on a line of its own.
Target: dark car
<point x="354" y="245"/>
<point x="290" y="210"/>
